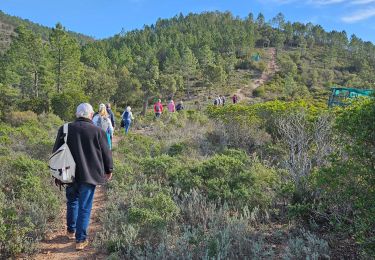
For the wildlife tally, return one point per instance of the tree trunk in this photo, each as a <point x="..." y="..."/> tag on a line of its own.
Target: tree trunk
<point x="59" y="73"/>
<point x="36" y="83"/>
<point x="145" y="106"/>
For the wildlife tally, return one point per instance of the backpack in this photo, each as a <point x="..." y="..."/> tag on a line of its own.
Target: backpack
<point x="215" y="102"/>
<point x="126" y="115"/>
<point x="61" y="163"/>
<point x="157" y="108"/>
<point x="103" y="123"/>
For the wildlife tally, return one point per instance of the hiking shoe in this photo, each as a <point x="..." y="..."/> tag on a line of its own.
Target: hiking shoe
<point x="82" y="245"/>
<point x="70" y="235"/>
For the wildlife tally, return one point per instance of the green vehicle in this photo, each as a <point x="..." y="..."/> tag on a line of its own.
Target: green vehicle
<point x="340" y="96"/>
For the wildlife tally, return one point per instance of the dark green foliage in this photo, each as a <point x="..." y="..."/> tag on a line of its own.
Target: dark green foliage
<point x="348" y="184"/>
<point x="64" y="104"/>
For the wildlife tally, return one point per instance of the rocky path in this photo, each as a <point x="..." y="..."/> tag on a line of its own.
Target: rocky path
<point x="266" y="75"/>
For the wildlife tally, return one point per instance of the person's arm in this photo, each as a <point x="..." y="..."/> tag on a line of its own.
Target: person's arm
<point x="113" y="119"/>
<point x="95" y="120"/>
<point x="59" y="140"/>
<point x="110" y="128"/>
<point x="131" y="115"/>
<point x="106" y="153"/>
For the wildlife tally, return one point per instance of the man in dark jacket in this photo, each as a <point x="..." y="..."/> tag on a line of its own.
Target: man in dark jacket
<point x="89" y="148"/>
<point x="110" y="113"/>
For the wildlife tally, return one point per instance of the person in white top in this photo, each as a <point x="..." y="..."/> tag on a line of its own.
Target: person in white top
<point x="103" y="121"/>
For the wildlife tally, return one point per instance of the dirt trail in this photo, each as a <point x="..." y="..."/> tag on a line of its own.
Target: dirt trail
<point x="266" y="75"/>
<point x="58" y="246"/>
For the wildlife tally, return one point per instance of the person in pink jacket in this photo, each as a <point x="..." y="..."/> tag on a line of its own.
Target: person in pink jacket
<point x="171" y="106"/>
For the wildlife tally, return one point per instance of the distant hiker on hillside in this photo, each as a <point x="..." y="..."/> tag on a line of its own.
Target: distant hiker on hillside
<point x="102" y="120"/>
<point x="180" y="106"/>
<point x="171" y="106"/>
<point x="89" y="148"/>
<point x="158" y="108"/>
<point x="217" y="101"/>
<point x="222" y="100"/>
<point x="111" y="115"/>
<point x="235" y="99"/>
<point x="127" y="116"/>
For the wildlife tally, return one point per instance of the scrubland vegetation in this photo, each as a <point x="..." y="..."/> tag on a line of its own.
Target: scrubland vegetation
<point x="283" y="178"/>
<point x="198" y="186"/>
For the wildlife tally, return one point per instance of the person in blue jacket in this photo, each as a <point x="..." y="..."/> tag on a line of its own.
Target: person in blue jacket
<point x="127" y="116"/>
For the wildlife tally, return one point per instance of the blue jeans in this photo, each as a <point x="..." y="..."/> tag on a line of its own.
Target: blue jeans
<point x="127" y="125"/>
<point x="79" y="203"/>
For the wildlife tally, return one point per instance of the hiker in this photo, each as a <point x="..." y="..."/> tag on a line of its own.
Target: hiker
<point x="235" y="99"/>
<point x="222" y="100"/>
<point x="158" y="108"/>
<point x="171" y="106"/>
<point x="127" y="116"/>
<point x="180" y="106"/>
<point x="103" y="121"/>
<point x="111" y="114"/>
<point x="89" y="148"/>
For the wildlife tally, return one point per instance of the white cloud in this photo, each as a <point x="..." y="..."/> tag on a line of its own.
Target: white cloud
<point x="362" y="2"/>
<point x="359" y="9"/>
<point x="359" y="15"/>
<point x="326" y="2"/>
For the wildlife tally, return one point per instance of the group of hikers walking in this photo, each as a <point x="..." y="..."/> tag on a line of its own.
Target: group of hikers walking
<point x="90" y="143"/>
<point x="158" y="107"/>
<point x="220" y="100"/>
<point x="104" y="118"/>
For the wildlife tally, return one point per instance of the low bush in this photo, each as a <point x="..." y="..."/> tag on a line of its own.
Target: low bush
<point x="306" y="246"/>
<point x="17" y="118"/>
<point x="259" y="92"/>
<point x="27" y="202"/>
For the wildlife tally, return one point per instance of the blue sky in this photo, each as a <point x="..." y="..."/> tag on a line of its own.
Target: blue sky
<point x="104" y="18"/>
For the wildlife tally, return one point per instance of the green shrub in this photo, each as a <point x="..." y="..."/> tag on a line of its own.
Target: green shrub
<point x="37" y="105"/>
<point x="259" y="92"/>
<point x="306" y="246"/>
<point x="347" y="185"/>
<point x="17" y="118"/>
<point x="177" y="149"/>
<point x="139" y="146"/>
<point x="154" y="211"/>
<point x="27" y="202"/>
<point x="64" y="104"/>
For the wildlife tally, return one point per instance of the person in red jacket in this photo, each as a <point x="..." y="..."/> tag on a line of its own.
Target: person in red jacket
<point x="158" y="108"/>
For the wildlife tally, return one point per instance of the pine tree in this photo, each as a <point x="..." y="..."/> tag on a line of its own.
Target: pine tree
<point x="66" y="63"/>
<point x="26" y="64"/>
<point x="188" y="67"/>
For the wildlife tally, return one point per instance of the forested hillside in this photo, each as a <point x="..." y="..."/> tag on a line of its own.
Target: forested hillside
<point x="9" y="23"/>
<point x="278" y="176"/>
<point x="181" y="56"/>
